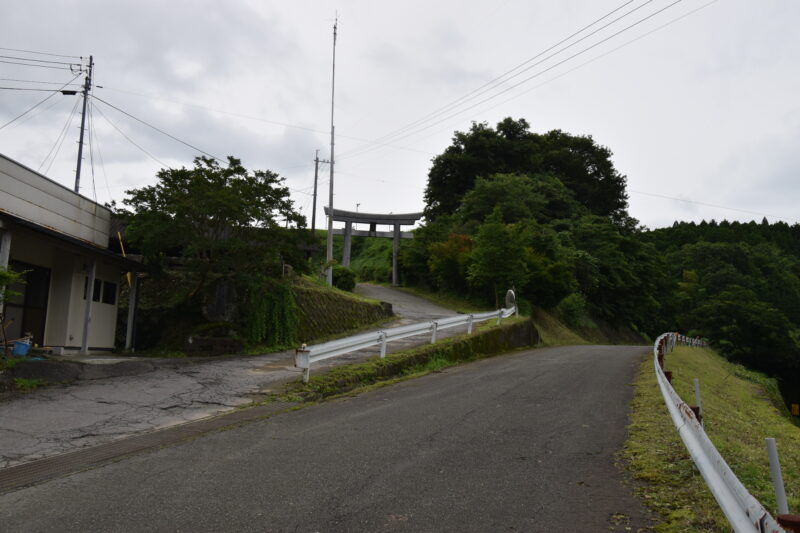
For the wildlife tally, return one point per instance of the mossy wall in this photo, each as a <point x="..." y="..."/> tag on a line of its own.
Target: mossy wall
<point x="323" y="312"/>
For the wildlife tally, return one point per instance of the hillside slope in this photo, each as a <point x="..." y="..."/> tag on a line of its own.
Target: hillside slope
<point x="741" y="408"/>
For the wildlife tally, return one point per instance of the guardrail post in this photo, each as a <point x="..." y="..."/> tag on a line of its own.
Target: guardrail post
<point x="303" y="353"/>
<point x="499" y="316"/>
<point x="469" y="325"/>
<point x="777" y="477"/>
<point x="382" y="337"/>
<point x="697" y="400"/>
<point x="434" y="327"/>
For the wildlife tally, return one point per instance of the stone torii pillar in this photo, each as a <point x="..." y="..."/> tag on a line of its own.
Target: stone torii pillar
<point x="352" y="217"/>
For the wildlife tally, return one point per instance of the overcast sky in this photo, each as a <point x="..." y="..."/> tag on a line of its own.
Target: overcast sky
<point x="699" y="102"/>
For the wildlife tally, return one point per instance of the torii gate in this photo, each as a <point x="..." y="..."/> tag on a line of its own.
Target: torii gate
<point x="351" y="217"/>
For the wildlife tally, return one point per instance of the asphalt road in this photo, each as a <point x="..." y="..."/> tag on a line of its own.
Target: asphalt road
<point x="522" y="442"/>
<point x="62" y="419"/>
<point x="408" y="307"/>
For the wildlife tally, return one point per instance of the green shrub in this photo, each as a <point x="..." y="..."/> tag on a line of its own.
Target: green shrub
<point x="344" y="278"/>
<point x="372" y="261"/>
<point x="572" y="309"/>
<point x="269" y="312"/>
<point x="524" y="306"/>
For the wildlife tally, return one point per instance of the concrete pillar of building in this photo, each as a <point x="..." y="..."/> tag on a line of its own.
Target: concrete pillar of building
<point x="133" y="294"/>
<point x="87" y="310"/>
<point x="5" y="255"/>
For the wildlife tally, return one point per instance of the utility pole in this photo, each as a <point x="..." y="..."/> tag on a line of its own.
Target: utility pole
<point x="329" y="255"/>
<point x="317" y="161"/>
<point x="87" y="84"/>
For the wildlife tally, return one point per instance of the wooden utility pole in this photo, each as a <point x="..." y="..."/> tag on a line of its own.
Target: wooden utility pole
<point x="317" y="161"/>
<point x="87" y="84"/>
<point x="314" y="205"/>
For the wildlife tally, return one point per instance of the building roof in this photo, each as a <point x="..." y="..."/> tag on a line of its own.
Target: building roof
<point x="34" y="201"/>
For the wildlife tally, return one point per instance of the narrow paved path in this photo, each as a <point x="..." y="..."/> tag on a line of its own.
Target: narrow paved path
<point x="408" y="307"/>
<point x="522" y="442"/>
<point x="65" y="418"/>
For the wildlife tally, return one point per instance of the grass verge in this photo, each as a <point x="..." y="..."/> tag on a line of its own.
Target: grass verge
<point x="741" y="408"/>
<point x="27" y="385"/>
<point x="553" y="331"/>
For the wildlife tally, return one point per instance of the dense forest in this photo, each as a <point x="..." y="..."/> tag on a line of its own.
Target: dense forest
<point x="547" y="215"/>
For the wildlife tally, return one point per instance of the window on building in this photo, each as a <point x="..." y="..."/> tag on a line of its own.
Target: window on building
<point x="109" y="292"/>
<point x="98" y="288"/>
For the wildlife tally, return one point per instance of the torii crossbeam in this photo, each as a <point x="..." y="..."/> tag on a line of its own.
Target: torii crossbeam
<point x="351" y="217"/>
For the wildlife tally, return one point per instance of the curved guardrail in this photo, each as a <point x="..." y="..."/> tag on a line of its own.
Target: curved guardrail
<point x="742" y="510"/>
<point x="305" y="356"/>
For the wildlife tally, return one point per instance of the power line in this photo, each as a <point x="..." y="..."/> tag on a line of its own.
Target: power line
<point x="260" y="119"/>
<point x="40" y="53"/>
<point x="35" y="65"/>
<point x="36" y="81"/>
<point x="151" y="156"/>
<point x="39" y="60"/>
<point x="712" y="205"/>
<point x="40" y="110"/>
<point x="58" y="142"/>
<point x="38" y="104"/>
<point x="205" y="108"/>
<point x="158" y="129"/>
<point x="93" y="129"/>
<point x="35" y="89"/>
<point x="609" y="52"/>
<point x="502" y="77"/>
<point x="539" y="73"/>
<point x="91" y="155"/>
<point x="162" y="132"/>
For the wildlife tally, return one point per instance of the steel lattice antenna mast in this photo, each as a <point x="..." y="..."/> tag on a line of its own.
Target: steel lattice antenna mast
<point x="329" y="255"/>
<point x="87" y="85"/>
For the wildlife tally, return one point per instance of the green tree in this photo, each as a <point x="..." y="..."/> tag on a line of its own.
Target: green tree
<point x="586" y="169"/>
<point x="222" y="221"/>
<point x="748" y="330"/>
<point x="583" y="166"/>
<point x="448" y="262"/>
<point x="9" y="277"/>
<point x="498" y="258"/>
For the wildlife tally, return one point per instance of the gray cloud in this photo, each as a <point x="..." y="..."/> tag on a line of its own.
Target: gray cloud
<point x="703" y="109"/>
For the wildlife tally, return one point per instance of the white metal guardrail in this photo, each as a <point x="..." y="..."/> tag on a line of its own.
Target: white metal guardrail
<point x="742" y="510"/>
<point x="306" y="356"/>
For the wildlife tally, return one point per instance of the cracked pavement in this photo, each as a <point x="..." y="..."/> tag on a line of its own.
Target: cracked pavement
<point x="62" y="419"/>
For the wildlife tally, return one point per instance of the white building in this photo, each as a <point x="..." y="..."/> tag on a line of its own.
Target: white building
<point x="62" y="240"/>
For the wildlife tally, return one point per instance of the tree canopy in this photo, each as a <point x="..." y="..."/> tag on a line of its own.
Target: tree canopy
<point x="584" y="167"/>
<point x="218" y="219"/>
